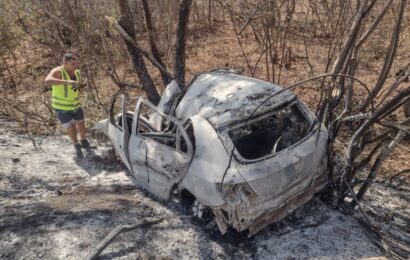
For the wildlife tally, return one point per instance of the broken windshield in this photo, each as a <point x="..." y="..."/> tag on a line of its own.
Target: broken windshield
<point x="270" y="134"/>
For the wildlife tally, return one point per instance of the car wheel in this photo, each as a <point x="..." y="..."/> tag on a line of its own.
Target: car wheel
<point x="201" y="212"/>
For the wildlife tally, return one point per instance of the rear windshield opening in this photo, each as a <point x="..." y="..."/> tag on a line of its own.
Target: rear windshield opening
<point x="272" y="134"/>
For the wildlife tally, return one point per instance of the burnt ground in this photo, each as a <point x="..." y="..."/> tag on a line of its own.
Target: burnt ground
<point x="55" y="207"/>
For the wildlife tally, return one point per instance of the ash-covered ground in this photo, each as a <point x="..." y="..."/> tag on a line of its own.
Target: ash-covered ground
<point x="55" y="207"/>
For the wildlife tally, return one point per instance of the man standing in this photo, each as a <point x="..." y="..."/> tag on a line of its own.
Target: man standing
<point x="65" y="81"/>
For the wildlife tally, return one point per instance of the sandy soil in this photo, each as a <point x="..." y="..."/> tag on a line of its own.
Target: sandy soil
<point x="55" y="207"/>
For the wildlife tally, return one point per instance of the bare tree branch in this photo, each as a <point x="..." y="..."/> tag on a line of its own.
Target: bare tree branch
<point x="374" y="24"/>
<point x="398" y="174"/>
<point x="378" y="163"/>
<point x="130" y="40"/>
<point x="403" y="77"/>
<point x="351" y="37"/>
<point x="391" y="53"/>
<point x="377" y="115"/>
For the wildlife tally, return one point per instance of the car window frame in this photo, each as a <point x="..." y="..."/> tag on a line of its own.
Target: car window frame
<point x="111" y="116"/>
<point x="239" y="158"/>
<point x="180" y="132"/>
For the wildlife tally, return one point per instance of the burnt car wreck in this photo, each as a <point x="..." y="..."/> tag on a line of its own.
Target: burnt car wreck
<point x="248" y="160"/>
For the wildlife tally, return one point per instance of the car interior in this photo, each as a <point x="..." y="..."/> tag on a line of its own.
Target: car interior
<point x="167" y="136"/>
<point x="271" y="134"/>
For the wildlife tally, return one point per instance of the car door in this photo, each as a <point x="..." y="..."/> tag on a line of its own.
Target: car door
<point x="118" y="129"/>
<point x="162" y="154"/>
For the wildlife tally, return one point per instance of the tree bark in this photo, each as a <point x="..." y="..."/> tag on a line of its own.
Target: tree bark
<point x="139" y="65"/>
<point x="179" y="60"/>
<point x="151" y="39"/>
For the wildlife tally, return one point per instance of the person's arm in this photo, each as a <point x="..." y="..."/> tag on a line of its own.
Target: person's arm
<point x="54" y="77"/>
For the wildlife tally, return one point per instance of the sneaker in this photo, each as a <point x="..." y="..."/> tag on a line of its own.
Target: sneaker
<point x="85" y="144"/>
<point x="78" y="151"/>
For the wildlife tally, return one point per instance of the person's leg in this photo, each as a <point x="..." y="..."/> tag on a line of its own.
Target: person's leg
<point x="67" y="121"/>
<point x="72" y="133"/>
<point x="80" y="125"/>
<point x="81" y="130"/>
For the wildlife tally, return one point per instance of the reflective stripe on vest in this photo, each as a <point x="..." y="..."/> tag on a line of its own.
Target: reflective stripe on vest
<point x="63" y="95"/>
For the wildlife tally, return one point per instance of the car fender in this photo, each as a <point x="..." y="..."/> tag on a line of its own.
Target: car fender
<point x="208" y="164"/>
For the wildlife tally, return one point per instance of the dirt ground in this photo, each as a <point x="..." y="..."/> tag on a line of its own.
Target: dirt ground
<point x="55" y="207"/>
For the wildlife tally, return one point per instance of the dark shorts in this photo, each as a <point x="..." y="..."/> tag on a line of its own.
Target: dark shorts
<point x="68" y="118"/>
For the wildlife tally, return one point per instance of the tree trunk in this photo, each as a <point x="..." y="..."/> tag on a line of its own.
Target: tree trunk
<point x="139" y="65"/>
<point x="151" y="38"/>
<point x="179" y="61"/>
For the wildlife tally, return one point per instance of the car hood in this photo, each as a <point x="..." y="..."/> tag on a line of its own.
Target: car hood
<point x="223" y="97"/>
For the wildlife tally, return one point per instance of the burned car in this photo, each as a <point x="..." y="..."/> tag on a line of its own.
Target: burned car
<point x="245" y="155"/>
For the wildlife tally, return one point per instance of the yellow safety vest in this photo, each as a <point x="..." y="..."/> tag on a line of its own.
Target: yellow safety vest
<point x="63" y="96"/>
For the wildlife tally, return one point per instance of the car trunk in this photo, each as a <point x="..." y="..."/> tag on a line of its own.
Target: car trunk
<point x="279" y="153"/>
<point x="271" y="134"/>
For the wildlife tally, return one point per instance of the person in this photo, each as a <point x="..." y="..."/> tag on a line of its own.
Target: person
<point x="66" y="82"/>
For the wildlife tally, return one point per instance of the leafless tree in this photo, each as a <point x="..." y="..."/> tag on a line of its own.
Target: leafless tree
<point x="127" y="24"/>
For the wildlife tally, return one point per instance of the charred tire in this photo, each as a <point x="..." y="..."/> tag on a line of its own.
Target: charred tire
<point x="193" y="207"/>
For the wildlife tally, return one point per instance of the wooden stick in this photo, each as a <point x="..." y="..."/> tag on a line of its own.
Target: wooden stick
<point x="115" y="232"/>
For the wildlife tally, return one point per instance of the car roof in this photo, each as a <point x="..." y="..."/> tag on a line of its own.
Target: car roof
<point x="223" y="97"/>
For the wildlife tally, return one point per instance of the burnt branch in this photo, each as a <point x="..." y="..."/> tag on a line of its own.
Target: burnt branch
<point x="378" y="235"/>
<point x="115" y="232"/>
<point x="386" y="152"/>
<point x="369" y="157"/>
<point x="355" y="144"/>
